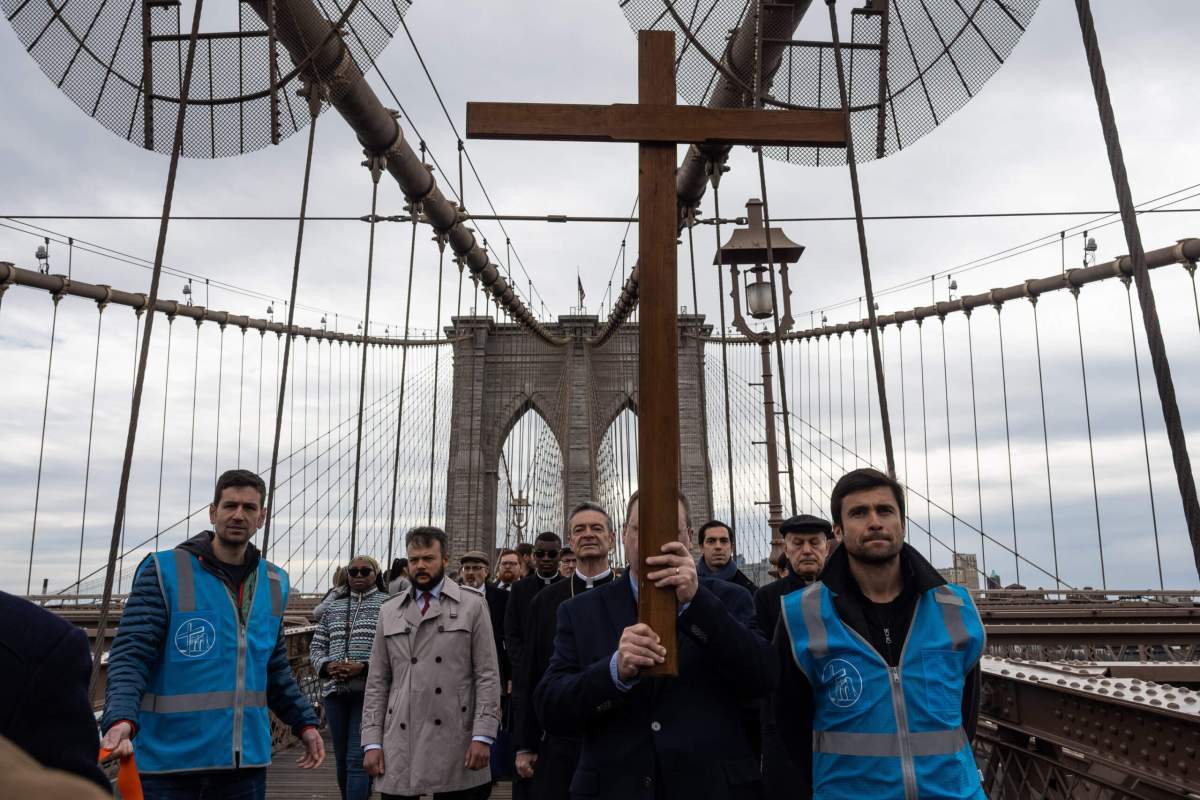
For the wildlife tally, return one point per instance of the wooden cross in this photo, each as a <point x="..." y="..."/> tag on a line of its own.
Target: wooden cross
<point x="657" y="125"/>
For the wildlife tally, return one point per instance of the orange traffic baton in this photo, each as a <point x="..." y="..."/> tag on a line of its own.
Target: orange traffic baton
<point x="128" y="782"/>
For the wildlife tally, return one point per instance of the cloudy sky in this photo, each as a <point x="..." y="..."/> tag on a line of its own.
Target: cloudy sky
<point x="1030" y="141"/>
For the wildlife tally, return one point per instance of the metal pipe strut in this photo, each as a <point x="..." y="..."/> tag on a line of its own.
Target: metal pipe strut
<point x="331" y="66"/>
<point x="60" y="284"/>
<point x="1185" y="251"/>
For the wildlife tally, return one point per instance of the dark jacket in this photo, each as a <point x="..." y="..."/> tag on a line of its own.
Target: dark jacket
<point x="497" y="600"/>
<point x="685" y="734"/>
<point x="517" y="613"/>
<point x="729" y="573"/>
<point x="557" y="755"/>
<point x="777" y="766"/>
<point x="44" y="708"/>
<point x="138" y="646"/>
<point x="793" y="698"/>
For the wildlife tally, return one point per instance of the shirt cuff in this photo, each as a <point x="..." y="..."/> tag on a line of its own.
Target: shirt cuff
<point x="367" y="747"/>
<point x="621" y="685"/>
<point x="489" y="741"/>
<point x="684" y="607"/>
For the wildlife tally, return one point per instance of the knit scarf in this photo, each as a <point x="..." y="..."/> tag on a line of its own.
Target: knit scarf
<point x="725" y="573"/>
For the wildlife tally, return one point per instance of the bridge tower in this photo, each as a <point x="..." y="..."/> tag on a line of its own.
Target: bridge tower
<point x="500" y="373"/>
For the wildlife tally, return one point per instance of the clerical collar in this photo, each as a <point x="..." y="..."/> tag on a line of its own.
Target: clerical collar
<point x="591" y="582"/>
<point x="547" y="581"/>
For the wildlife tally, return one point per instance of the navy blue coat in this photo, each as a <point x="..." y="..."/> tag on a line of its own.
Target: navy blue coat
<point x="666" y="738"/>
<point x="45" y="665"/>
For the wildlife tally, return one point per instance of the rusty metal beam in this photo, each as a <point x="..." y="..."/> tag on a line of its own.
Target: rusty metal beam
<point x="1095" y="634"/>
<point x="1139" y="735"/>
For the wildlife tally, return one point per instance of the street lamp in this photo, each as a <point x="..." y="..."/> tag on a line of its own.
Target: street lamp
<point x="748" y="247"/>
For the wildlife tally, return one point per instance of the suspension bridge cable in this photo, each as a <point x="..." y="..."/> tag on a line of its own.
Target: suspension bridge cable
<point x="412" y="255"/>
<point x="436" y="375"/>
<point x="1087" y="410"/>
<point x="1137" y="372"/>
<point x="220" y="394"/>
<point x="949" y="443"/>
<point x="162" y="444"/>
<point x="314" y="109"/>
<point x="151" y="300"/>
<point x="851" y="162"/>
<point x="376" y="167"/>
<point x="1012" y="498"/>
<point x="1037" y="338"/>
<point x="975" y="428"/>
<point x="37" y="492"/>
<point x="925" y="427"/>
<point x="87" y="463"/>
<point x="1159" y="362"/>
<point x="192" y="439"/>
<point x="716" y="182"/>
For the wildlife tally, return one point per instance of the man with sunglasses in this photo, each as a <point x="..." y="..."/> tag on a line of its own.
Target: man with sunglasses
<point x="547" y="551"/>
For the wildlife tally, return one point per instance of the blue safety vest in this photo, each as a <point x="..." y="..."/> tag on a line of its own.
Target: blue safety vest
<point x="205" y="706"/>
<point x="885" y="732"/>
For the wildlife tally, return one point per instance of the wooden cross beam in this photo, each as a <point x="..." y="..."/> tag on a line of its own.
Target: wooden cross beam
<point x="657" y="125"/>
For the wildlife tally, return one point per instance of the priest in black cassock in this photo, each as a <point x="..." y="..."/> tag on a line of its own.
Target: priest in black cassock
<point x="550" y="759"/>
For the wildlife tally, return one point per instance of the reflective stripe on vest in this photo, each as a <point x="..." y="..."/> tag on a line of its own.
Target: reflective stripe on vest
<point x="276" y="590"/>
<point x="198" y="701"/>
<point x="847" y="743"/>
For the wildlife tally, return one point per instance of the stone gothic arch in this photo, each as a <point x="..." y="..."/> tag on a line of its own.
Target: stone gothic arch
<point x="500" y="372"/>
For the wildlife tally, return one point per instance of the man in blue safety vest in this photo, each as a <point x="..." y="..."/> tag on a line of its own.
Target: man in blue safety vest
<point x="200" y="657"/>
<point x="879" y="663"/>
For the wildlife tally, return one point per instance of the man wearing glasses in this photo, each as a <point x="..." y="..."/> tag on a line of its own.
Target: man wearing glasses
<point x="547" y="551"/>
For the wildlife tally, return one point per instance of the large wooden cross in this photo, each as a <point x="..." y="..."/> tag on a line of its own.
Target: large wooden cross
<point x="657" y="125"/>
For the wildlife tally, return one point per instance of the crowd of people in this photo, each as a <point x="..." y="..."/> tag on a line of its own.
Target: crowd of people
<point x="854" y="674"/>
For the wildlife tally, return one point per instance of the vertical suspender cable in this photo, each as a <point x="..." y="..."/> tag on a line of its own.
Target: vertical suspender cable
<point x="903" y="412"/>
<point x="37" y="492"/>
<point x="1012" y="498"/>
<point x="87" y="464"/>
<point x="1141" y="276"/>
<point x="262" y="335"/>
<point x="192" y="440"/>
<point x="925" y="441"/>
<point x="220" y="392"/>
<point x="1087" y="410"/>
<point x="412" y="255"/>
<point x="975" y="428"/>
<point x="376" y="165"/>
<point x="1137" y="373"/>
<point x="162" y="444"/>
<point x="851" y="162"/>
<point x="1037" y="339"/>
<point x="151" y="301"/>
<point x="949" y="449"/>
<point x="314" y="109"/>
<point x="437" y="359"/>
<point x="241" y="396"/>
<point x="137" y="333"/>
<point x="724" y="345"/>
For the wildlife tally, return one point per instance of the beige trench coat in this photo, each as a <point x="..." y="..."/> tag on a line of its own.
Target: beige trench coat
<point x="432" y="685"/>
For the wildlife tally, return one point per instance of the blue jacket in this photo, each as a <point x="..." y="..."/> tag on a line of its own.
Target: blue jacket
<point x="44" y="708"/>
<point x="141" y="645"/>
<point x="685" y="733"/>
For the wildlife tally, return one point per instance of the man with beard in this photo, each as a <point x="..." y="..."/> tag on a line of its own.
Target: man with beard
<point x="716" y="556"/>
<point x="200" y="657"/>
<point x="647" y="737"/>
<point x="545" y="554"/>
<point x="508" y="569"/>
<point x="880" y="662"/>
<point x="432" y="705"/>
<point x="806" y="543"/>
<point x="550" y="759"/>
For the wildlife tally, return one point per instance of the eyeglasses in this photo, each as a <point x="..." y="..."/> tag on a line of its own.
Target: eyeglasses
<point x="360" y="572"/>
<point x="545" y="553"/>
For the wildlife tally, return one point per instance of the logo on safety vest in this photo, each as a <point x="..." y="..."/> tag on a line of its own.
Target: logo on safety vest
<point x="843" y="682"/>
<point x="195" y="637"/>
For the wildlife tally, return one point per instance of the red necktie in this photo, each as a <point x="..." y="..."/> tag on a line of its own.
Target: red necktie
<point x="424" y="603"/>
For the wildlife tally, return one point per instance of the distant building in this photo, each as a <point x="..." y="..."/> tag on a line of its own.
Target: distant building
<point x="965" y="571"/>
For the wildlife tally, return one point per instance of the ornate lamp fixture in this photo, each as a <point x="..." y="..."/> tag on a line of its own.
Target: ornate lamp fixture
<point x="748" y="246"/>
<point x="520" y="513"/>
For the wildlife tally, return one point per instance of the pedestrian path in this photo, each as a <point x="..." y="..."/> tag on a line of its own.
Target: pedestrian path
<point x="286" y="781"/>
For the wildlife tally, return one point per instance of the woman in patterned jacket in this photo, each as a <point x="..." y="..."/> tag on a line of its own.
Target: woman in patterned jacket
<point x="342" y="663"/>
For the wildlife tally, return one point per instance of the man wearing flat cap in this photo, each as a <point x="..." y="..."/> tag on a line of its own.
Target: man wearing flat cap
<point x="807" y="542"/>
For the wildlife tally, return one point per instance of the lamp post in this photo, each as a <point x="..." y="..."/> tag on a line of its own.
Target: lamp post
<point x="747" y="247"/>
<point x="520" y="513"/>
